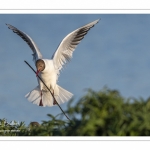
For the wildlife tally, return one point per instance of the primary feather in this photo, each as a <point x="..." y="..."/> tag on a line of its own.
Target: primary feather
<point x="36" y="52"/>
<point x="64" y="52"/>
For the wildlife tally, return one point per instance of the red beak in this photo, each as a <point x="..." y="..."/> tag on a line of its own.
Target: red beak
<point x="37" y="72"/>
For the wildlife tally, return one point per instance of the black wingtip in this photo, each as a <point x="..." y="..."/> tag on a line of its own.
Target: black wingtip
<point x="98" y="20"/>
<point x="7" y="25"/>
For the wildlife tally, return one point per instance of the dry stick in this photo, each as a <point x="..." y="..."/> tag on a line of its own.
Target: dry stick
<point x="49" y="90"/>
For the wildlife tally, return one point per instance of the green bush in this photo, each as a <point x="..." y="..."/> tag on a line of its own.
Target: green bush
<point x="103" y="113"/>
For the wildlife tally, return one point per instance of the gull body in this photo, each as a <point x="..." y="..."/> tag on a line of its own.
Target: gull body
<point x="49" y="69"/>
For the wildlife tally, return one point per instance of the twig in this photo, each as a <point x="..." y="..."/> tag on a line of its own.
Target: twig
<point x="48" y="89"/>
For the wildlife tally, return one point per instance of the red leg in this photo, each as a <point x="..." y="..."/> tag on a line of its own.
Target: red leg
<point x="54" y="102"/>
<point x="41" y="104"/>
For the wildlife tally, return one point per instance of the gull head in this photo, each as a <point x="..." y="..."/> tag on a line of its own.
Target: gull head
<point x="40" y="66"/>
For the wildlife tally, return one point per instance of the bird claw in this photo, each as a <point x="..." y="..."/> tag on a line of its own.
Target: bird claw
<point x="54" y="103"/>
<point x="41" y="104"/>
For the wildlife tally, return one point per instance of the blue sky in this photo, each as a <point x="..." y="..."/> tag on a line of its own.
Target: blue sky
<point x="115" y="53"/>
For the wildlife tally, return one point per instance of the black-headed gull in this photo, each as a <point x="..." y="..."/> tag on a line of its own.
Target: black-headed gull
<point x="49" y="69"/>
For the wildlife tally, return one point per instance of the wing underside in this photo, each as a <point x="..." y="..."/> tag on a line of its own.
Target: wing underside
<point x="36" y="52"/>
<point x="64" y="52"/>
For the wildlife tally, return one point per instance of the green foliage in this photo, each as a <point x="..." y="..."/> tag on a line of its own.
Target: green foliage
<point x="12" y="129"/>
<point x="103" y="113"/>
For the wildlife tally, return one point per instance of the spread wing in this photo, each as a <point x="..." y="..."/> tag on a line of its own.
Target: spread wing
<point x="64" y="52"/>
<point x="36" y="52"/>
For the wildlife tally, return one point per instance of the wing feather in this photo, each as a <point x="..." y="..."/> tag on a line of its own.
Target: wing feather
<point x="64" y="52"/>
<point x="36" y="52"/>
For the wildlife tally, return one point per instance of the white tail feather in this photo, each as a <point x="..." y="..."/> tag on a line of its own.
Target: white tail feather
<point x="61" y="96"/>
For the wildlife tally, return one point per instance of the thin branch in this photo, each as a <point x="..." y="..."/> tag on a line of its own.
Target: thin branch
<point x="48" y="89"/>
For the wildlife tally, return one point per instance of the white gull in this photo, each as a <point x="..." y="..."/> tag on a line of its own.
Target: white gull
<point x="49" y="69"/>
